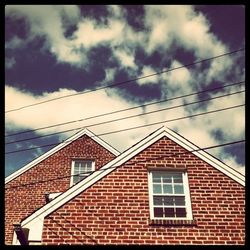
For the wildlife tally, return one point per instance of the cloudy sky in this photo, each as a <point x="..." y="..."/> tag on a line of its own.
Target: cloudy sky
<point x="62" y="51"/>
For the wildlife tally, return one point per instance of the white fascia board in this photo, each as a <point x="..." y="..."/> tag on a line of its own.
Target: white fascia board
<point x="92" y="178"/>
<point x="118" y="161"/>
<point x="57" y="148"/>
<point x="102" y="142"/>
<point x="206" y="157"/>
<point x="52" y="196"/>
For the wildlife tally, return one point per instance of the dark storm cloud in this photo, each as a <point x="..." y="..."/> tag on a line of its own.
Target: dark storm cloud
<point x="134" y="16"/>
<point x="16" y="26"/>
<point x="97" y="12"/>
<point x="227" y="22"/>
<point x="134" y="92"/>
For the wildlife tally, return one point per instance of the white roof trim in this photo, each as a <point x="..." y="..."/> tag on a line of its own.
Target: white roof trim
<point x="60" y="146"/>
<point x="219" y="165"/>
<point x="118" y="161"/>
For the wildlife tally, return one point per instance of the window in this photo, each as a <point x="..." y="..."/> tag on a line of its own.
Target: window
<point x="81" y="169"/>
<point x="169" y="195"/>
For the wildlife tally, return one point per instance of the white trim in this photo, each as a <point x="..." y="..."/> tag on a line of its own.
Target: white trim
<point x="15" y="241"/>
<point x="187" y="196"/>
<point x="60" y="146"/>
<point x="91" y="179"/>
<point x="73" y="166"/>
<point x="72" y="172"/>
<point x="206" y="157"/>
<point x="186" y="193"/>
<point x="118" y="161"/>
<point x="52" y="196"/>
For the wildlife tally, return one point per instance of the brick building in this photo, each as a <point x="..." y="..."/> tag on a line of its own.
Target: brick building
<point x="162" y="190"/>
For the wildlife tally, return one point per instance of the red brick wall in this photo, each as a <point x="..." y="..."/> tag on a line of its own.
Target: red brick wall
<point x="20" y="201"/>
<point x="115" y="210"/>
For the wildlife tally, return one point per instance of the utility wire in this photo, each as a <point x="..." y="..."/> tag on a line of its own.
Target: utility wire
<point x="127" y="117"/>
<point x="127" y="109"/>
<point x="117" y="131"/>
<point x="134" y="163"/>
<point x="128" y="81"/>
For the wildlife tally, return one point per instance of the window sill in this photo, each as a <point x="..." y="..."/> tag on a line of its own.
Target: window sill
<point x="172" y="222"/>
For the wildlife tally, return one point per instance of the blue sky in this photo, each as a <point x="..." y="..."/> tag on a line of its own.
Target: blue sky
<point x="57" y="50"/>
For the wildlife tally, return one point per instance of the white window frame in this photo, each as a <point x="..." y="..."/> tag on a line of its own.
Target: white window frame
<point x="73" y="167"/>
<point x="189" y="215"/>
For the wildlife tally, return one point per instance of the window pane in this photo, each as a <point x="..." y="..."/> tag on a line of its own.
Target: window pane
<point x="177" y="178"/>
<point x="76" y="179"/>
<point x="177" y="175"/>
<point x="77" y="164"/>
<point x="169" y="212"/>
<point x="156" y="177"/>
<point x="167" y="189"/>
<point x="179" y="200"/>
<point x="158" y="212"/>
<point x="85" y="169"/>
<point x="158" y="200"/>
<point x="89" y="167"/>
<point x="85" y="165"/>
<point x="169" y="201"/>
<point x="180" y="212"/>
<point x="81" y="169"/>
<point x="178" y="189"/>
<point x="76" y="168"/>
<point x="167" y="179"/>
<point x="157" y="188"/>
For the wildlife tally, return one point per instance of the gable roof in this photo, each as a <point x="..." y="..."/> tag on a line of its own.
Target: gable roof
<point x="71" y="139"/>
<point x="122" y="158"/>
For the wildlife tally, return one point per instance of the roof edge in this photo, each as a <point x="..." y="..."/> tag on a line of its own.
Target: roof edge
<point x="60" y="146"/>
<point x="123" y="157"/>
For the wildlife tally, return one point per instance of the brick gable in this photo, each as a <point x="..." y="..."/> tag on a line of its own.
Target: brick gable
<point x="115" y="210"/>
<point x="22" y="199"/>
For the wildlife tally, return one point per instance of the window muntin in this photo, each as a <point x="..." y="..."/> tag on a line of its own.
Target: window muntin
<point x="81" y="169"/>
<point x="169" y="195"/>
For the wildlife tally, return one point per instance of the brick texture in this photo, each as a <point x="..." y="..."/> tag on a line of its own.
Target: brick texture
<point x="115" y="210"/>
<point x="22" y="197"/>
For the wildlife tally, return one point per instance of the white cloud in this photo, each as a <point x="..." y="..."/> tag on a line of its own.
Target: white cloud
<point x="231" y="122"/>
<point x="178" y="79"/>
<point x="172" y="27"/>
<point x="146" y="71"/>
<point x="231" y="161"/>
<point x="126" y="58"/>
<point x="69" y="109"/>
<point x="219" y="69"/>
<point x="170" y="24"/>
<point x="90" y="34"/>
<point x="165" y="25"/>
<point x="46" y="20"/>
<point x="109" y="75"/>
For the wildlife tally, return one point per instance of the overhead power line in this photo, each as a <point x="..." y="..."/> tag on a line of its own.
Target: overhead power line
<point x="121" y="130"/>
<point x="127" y="109"/>
<point x="125" y="82"/>
<point x="135" y="162"/>
<point x="127" y="117"/>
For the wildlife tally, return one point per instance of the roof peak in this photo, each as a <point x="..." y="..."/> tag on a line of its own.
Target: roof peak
<point x="63" y="144"/>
